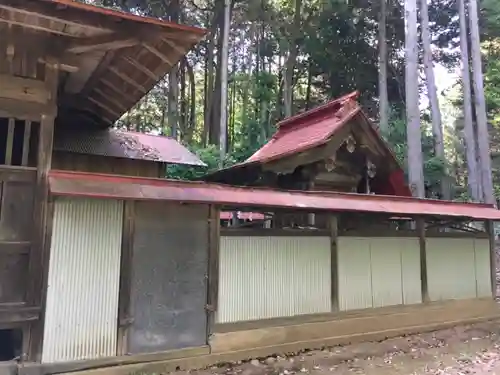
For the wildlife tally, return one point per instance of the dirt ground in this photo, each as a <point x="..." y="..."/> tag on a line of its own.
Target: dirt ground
<point x="471" y="349"/>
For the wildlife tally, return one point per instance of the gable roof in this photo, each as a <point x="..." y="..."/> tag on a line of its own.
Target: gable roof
<point x="111" y="59"/>
<point x="315" y="128"/>
<point x="307" y="130"/>
<point x="123" y="144"/>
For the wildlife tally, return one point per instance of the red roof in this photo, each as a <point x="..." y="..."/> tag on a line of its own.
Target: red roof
<point x="307" y="130"/>
<point x="121" y="187"/>
<point x="122" y="15"/>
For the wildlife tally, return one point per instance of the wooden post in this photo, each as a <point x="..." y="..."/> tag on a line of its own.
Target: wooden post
<point x="213" y="267"/>
<point x="39" y="257"/>
<point x="125" y="318"/>
<point x="420" y="226"/>
<point x="493" y="259"/>
<point x="334" y="264"/>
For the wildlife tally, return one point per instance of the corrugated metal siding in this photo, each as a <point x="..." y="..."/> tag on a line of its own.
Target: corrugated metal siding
<point x="451" y="268"/>
<point x="355" y="284"/>
<point x="82" y="297"/>
<point x="376" y="272"/>
<point x="267" y="277"/>
<point x="483" y="279"/>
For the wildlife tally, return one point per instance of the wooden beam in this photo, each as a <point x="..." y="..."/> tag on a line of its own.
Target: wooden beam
<point x="39" y="259"/>
<point x="114" y="88"/>
<point x="26" y="142"/>
<point x="23" y="89"/>
<point x="100" y="104"/>
<point x="174" y="46"/>
<point x="110" y="99"/>
<point x="108" y="42"/>
<point x="124" y="294"/>
<point x="66" y="63"/>
<point x="334" y="261"/>
<point x="155" y="51"/>
<point x="213" y="267"/>
<point x="490" y="230"/>
<point x="10" y="141"/>
<point x="127" y="79"/>
<point x="420" y="224"/>
<point x="25" y="110"/>
<point x="141" y="67"/>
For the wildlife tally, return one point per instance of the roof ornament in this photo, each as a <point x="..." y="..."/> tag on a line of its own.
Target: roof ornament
<point x="330" y="163"/>
<point x="350" y="143"/>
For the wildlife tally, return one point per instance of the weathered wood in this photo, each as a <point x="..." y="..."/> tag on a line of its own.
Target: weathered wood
<point x="17" y="174"/>
<point x="16" y="211"/>
<point x="23" y="89"/>
<point x="124" y="306"/>
<point x="10" y="141"/>
<point x="22" y="110"/>
<point x="141" y="67"/>
<point x="213" y="267"/>
<point x="334" y="262"/>
<point x="15" y="314"/>
<point x="13" y="277"/>
<point x="26" y="143"/>
<point x="101" y="42"/>
<point x="420" y="224"/>
<point x="39" y="260"/>
<point x="493" y="259"/>
<point x="156" y="52"/>
<point x="128" y="80"/>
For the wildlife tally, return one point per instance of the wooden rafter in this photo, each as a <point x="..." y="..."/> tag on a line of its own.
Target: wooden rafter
<point x="127" y="79"/>
<point x="100" y="104"/>
<point x="174" y="46"/>
<point x="103" y="42"/>
<point x="155" y="51"/>
<point x="109" y="98"/>
<point x="141" y="67"/>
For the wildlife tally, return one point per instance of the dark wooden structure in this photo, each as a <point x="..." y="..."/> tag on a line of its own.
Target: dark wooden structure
<point x="62" y="63"/>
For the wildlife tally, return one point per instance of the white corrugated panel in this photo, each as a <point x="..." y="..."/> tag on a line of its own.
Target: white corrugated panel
<point x="387" y="277"/>
<point x="451" y="268"/>
<point x="82" y="297"/>
<point x="269" y="277"/>
<point x="410" y="260"/>
<point x="483" y="278"/>
<point x="355" y="274"/>
<point x="377" y="272"/>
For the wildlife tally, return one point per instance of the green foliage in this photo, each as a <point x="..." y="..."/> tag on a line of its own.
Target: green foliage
<point x="434" y="167"/>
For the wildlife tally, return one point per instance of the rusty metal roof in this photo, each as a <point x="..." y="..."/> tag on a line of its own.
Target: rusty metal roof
<point x="307" y="130"/>
<point x="122" y="144"/>
<point x="120" y="187"/>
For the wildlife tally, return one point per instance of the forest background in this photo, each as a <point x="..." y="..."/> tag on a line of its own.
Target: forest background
<point x="287" y="56"/>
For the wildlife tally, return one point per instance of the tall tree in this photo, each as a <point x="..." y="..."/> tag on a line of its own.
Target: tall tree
<point x="292" y="59"/>
<point x="223" y="79"/>
<point x="480" y="106"/>
<point x="382" y="75"/>
<point x="414" y="135"/>
<point x="473" y="172"/>
<point x="437" y="126"/>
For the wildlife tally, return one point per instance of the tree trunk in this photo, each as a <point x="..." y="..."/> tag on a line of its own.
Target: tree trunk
<point x="437" y="126"/>
<point x="223" y="80"/>
<point x="292" y="59"/>
<point x="207" y="127"/>
<point x="480" y="104"/>
<point x="473" y="172"/>
<point x="415" y="160"/>
<point x="382" y="74"/>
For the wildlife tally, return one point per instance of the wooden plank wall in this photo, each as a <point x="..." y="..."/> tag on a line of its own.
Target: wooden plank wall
<point x="105" y="164"/>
